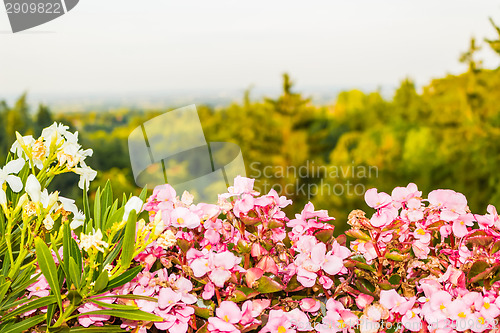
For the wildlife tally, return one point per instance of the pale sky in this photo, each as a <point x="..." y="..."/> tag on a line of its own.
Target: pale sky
<point x="138" y="46"/>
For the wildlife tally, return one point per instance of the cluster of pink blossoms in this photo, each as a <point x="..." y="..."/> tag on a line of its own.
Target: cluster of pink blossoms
<point x="415" y="265"/>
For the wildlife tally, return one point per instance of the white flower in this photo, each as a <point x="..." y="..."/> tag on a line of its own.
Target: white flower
<point x="16" y="147"/>
<point x="56" y="129"/>
<point x="95" y="240"/>
<point x="134" y="203"/>
<point x="78" y="220"/>
<point x="69" y="206"/>
<point x="34" y="189"/>
<point x="6" y="174"/>
<point x="86" y="176"/>
<point x="48" y="222"/>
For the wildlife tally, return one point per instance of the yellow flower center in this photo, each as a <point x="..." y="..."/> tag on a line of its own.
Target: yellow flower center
<point x="442" y="307"/>
<point x="208" y="247"/>
<point x="226" y="319"/>
<point x="281" y="329"/>
<point x="421" y="232"/>
<point x="462" y="315"/>
<point x="487" y="306"/>
<point x="180" y="220"/>
<point x="481" y="320"/>
<point x="462" y="222"/>
<point x="341" y="324"/>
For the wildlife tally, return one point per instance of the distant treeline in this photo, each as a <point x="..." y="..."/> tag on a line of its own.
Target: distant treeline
<point x="445" y="136"/>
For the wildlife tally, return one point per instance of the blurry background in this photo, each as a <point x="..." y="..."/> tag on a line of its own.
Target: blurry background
<point x="409" y="89"/>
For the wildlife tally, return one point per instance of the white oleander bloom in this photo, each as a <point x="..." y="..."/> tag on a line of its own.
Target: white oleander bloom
<point x="78" y="220"/>
<point x="58" y="130"/>
<point x="18" y="150"/>
<point x="78" y="216"/>
<point x="7" y="174"/>
<point x="134" y="203"/>
<point x="87" y="175"/>
<point x="93" y="240"/>
<point x="34" y="189"/>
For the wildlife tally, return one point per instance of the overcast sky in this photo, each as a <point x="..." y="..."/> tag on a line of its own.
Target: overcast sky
<point x="140" y="46"/>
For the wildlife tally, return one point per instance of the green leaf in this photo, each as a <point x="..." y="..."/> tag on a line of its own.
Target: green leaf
<point x="102" y="281"/>
<point x="67" y="252"/>
<point x="203" y="312"/>
<point x="76" y="253"/>
<point x="146" y="298"/>
<point x="124" y="278"/>
<point x="3" y="289"/>
<point x="128" y="247"/>
<point x="115" y="217"/>
<point x="144" y="194"/>
<point x="24" y="325"/>
<point x="113" y="306"/>
<point x="35" y="304"/>
<point x="477" y="268"/>
<point x="324" y="235"/>
<point x="105" y="328"/>
<point x="75" y="272"/>
<point x="48" y="268"/>
<point x="75" y="298"/>
<point x="97" y="209"/>
<point x="268" y="285"/>
<point x="124" y="314"/>
<point x="86" y="211"/>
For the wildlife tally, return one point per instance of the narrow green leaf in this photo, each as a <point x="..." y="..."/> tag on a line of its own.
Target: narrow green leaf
<point x="67" y="251"/>
<point x="24" y="325"/>
<point x="102" y="281"/>
<point x="143" y="194"/>
<point x="129" y="240"/>
<point x="48" y="268"/>
<point x="75" y="272"/>
<point x="86" y="210"/>
<point x="146" y="298"/>
<point x="97" y="209"/>
<point x="124" y="278"/>
<point x="3" y="289"/>
<point x="35" y="304"/>
<point x="97" y="329"/>
<point x="124" y="314"/>
<point x="113" y="306"/>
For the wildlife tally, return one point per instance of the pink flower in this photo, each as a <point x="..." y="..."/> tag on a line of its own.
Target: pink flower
<point x="363" y="300"/>
<point x="403" y="194"/>
<point x="461" y="223"/>
<point x="309" y="305"/>
<point x="182" y="217"/>
<point x="377" y="200"/>
<point x="244" y="205"/>
<point x="278" y="322"/>
<point x="451" y="203"/>
<point x="40" y="288"/>
<point x="168" y="298"/>
<point x="208" y="291"/>
<point x="228" y="314"/>
<point x="94" y="320"/>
